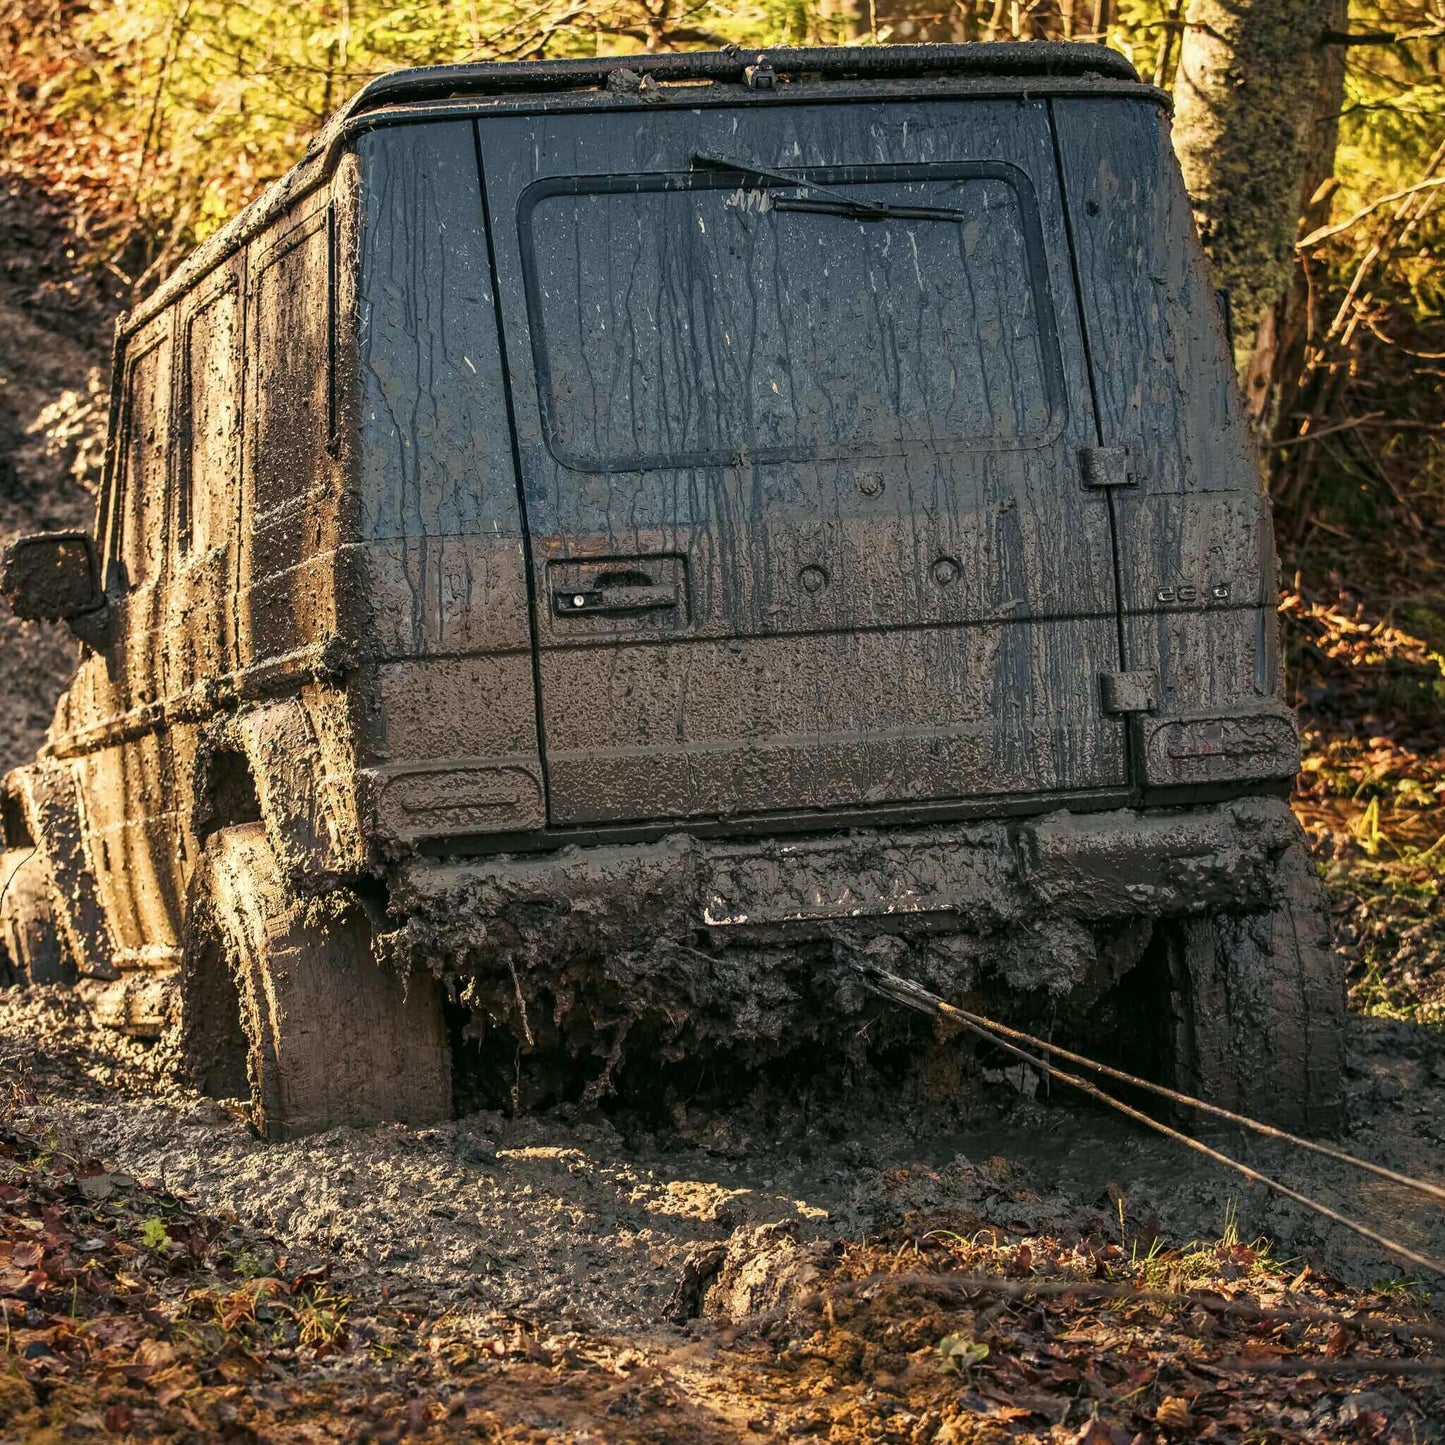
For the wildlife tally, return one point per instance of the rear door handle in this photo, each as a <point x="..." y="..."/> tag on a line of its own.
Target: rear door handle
<point x="592" y="601"/>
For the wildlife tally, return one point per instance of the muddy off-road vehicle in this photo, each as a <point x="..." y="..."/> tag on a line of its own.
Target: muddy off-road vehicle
<point x="601" y="544"/>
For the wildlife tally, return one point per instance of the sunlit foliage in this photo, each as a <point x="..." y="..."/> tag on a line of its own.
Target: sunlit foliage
<point x="179" y="111"/>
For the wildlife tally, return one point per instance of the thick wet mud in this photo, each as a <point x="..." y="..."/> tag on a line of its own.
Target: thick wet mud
<point x="573" y="1215"/>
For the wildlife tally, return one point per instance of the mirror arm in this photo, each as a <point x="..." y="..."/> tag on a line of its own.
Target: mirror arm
<point x="96" y="629"/>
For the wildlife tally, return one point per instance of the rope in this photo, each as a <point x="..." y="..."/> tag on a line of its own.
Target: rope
<point x="915" y="996"/>
<point x="1268" y="1130"/>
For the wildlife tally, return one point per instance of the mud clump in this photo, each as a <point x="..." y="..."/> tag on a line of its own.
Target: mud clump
<point x="762" y="1270"/>
<point x="650" y="973"/>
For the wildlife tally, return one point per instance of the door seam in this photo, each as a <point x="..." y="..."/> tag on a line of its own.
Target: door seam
<point x="527" y="564"/>
<point x="1132" y="763"/>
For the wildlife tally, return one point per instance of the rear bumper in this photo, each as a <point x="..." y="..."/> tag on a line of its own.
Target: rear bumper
<point x="961" y="878"/>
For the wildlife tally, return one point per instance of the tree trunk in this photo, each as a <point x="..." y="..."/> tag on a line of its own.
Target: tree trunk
<point x="1257" y="99"/>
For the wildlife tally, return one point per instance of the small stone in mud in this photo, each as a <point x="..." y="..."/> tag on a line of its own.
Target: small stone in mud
<point x="97" y="1186"/>
<point x="207" y="1114"/>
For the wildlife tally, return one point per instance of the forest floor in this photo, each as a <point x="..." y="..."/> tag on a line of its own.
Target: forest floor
<point x="1044" y="1273"/>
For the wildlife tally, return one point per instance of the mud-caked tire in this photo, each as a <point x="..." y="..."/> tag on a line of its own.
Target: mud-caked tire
<point x="290" y="985"/>
<point x="1259" y="1006"/>
<point x="30" y="942"/>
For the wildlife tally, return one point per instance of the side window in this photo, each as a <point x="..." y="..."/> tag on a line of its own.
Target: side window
<point x="141" y="540"/>
<point x="210" y="455"/>
<point x="291" y="297"/>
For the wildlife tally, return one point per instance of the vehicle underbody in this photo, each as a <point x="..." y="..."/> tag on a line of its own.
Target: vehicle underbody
<point x="705" y="959"/>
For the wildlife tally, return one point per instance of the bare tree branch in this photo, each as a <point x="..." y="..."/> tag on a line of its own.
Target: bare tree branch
<point x="1382" y="37"/>
<point x="1325" y="232"/>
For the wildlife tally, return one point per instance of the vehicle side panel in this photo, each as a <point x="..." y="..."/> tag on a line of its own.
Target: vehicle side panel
<point x="288" y="528"/>
<point x="224" y="411"/>
<point x="125" y="786"/>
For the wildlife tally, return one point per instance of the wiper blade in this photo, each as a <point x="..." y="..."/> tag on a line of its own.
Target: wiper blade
<point x="831" y="202"/>
<point x="706" y="160"/>
<point x="866" y="211"/>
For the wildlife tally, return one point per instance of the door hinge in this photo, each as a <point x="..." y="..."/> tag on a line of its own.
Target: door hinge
<point x="1130" y="692"/>
<point x="1105" y="466"/>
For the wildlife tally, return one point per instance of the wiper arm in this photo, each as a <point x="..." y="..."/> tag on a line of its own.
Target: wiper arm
<point x="864" y="211"/>
<point x="706" y="160"/>
<point x="832" y="203"/>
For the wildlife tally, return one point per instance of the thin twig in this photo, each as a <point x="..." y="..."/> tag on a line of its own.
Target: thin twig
<point x="1325" y="232"/>
<point x="1374" y="329"/>
<point x="1407" y="216"/>
<point x="1326" y="1368"/>
<point x="1101" y="1291"/>
<point x="1314" y="436"/>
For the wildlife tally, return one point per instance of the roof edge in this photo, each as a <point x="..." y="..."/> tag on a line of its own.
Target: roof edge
<point x="429" y="87"/>
<point x="736" y="65"/>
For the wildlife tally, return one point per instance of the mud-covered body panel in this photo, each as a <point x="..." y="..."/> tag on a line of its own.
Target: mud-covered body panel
<point x="449" y="745"/>
<point x="977" y="877"/>
<point x="217" y="532"/>
<point x="1197" y="579"/>
<point x="705" y="944"/>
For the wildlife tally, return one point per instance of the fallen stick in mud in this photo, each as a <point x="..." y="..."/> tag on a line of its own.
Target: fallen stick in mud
<point x="1130" y="1294"/>
<point x="915" y="996"/>
<point x="1326" y="1368"/>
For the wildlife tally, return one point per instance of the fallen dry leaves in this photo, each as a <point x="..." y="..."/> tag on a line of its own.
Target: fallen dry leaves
<point x="1371" y="793"/>
<point x="1070" y="1366"/>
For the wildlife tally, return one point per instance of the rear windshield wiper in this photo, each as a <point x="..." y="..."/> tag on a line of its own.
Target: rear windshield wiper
<point x="830" y="202"/>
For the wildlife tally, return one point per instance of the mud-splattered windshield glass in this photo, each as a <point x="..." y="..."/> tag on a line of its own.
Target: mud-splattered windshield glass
<point x="708" y="318"/>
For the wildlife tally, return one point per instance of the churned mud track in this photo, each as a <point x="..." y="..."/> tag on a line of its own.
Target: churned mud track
<point x="166" y="1276"/>
<point x="572" y="1215"/>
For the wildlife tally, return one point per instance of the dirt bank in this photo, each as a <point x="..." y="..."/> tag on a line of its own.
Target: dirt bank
<point x="54" y="333"/>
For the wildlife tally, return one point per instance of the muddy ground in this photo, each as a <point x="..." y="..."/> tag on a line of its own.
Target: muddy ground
<point x="694" y="1255"/>
<point x="574" y="1215"/>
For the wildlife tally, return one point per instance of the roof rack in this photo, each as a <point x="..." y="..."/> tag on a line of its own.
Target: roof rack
<point x="744" y="67"/>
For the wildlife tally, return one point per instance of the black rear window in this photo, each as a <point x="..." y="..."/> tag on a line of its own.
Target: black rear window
<point x="687" y="319"/>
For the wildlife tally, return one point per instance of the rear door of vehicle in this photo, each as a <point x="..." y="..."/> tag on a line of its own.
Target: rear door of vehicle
<point x="802" y="478"/>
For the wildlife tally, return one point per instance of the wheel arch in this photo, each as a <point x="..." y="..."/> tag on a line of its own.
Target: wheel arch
<point x="42" y="803"/>
<point x="270" y="765"/>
